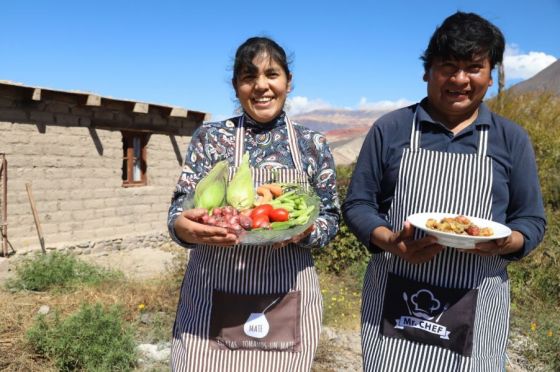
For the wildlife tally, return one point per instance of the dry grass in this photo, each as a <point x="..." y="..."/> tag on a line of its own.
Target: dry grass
<point x="341" y="300"/>
<point x="18" y="311"/>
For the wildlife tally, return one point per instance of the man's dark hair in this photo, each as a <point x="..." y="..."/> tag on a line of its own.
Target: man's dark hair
<point x="463" y="36"/>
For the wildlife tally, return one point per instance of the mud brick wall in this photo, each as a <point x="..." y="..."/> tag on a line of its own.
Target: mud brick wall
<point x="72" y="156"/>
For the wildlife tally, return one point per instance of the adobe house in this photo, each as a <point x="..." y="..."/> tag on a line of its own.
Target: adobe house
<point x="101" y="170"/>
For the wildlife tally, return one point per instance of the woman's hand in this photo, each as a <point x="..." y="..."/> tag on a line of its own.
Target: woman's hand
<point x="499" y="247"/>
<point x="189" y="230"/>
<point x="294" y="239"/>
<point x="402" y="244"/>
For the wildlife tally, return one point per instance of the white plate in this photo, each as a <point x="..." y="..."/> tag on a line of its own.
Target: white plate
<point x="418" y="220"/>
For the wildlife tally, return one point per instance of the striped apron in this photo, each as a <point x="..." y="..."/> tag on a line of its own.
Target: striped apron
<point x="246" y="270"/>
<point x="451" y="313"/>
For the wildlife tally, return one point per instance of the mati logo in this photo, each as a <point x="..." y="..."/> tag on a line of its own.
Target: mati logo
<point x="256" y="326"/>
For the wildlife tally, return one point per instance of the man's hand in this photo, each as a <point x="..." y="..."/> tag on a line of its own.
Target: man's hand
<point x="499" y="247"/>
<point x="402" y="244"/>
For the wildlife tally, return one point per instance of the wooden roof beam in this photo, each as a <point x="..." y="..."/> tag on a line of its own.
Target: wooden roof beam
<point x="36" y="96"/>
<point x="178" y="112"/>
<point x="141" y="108"/>
<point x="93" y="100"/>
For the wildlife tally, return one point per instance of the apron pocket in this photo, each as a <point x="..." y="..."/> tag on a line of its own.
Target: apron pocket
<point x="255" y="322"/>
<point x="428" y="314"/>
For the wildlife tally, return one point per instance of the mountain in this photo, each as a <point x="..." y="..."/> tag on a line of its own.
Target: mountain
<point x="546" y="80"/>
<point x="330" y="119"/>
<point x="345" y="129"/>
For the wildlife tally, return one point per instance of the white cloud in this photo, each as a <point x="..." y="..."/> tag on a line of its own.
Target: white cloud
<point x="520" y="65"/>
<point x="299" y="105"/>
<point x="383" y="105"/>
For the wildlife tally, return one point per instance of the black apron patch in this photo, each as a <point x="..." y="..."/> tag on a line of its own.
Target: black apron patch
<point x="428" y="314"/>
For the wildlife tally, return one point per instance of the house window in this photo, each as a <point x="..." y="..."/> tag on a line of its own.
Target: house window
<point x="134" y="159"/>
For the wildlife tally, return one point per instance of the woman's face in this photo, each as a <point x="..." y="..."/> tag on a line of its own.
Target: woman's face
<point x="457" y="88"/>
<point x="262" y="93"/>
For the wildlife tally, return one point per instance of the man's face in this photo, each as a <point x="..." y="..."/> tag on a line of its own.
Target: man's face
<point x="457" y="88"/>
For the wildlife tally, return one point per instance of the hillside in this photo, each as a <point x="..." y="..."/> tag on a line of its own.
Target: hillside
<point x="325" y="120"/>
<point x="345" y="129"/>
<point x="546" y="80"/>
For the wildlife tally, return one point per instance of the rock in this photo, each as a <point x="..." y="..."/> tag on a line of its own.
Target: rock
<point x="339" y="351"/>
<point x="328" y="333"/>
<point x="159" y="352"/>
<point x="44" y="310"/>
<point x="146" y="318"/>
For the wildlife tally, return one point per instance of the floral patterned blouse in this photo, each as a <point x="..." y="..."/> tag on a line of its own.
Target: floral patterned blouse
<point x="268" y="147"/>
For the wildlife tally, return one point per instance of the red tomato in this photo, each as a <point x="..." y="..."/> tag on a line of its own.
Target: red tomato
<point x="264" y="209"/>
<point x="279" y="215"/>
<point x="261" y="221"/>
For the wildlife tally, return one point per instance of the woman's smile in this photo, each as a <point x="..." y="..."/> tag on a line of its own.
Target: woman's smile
<point x="262" y="91"/>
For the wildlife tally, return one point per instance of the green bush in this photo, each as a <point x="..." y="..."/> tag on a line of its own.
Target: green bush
<point x="344" y="250"/>
<point x="535" y="280"/>
<point x="56" y="270"/>
<point x="539" y="114"/>
<point x="92" y="339"/>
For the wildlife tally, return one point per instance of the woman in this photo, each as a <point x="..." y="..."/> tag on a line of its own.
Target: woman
<point x="426" y="307"/>
<point x="228" y="286"/>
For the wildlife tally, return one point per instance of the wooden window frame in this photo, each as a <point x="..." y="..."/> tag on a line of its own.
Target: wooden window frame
<point x="129" y="159"/>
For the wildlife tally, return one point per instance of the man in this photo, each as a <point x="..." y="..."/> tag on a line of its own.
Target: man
<point x="427" y="307"/>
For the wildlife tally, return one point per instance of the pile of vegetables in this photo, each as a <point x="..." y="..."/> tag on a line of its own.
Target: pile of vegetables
<point x="238" y="207"/>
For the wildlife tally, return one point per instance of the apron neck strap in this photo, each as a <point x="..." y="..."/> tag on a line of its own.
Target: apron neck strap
<point x="417" y="130"/>
<point x="292" y="142"/>
<point x="482" y="140"/>
<point x="239" y="143"/>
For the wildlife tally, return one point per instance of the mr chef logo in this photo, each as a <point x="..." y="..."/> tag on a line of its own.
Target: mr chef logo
<point x="423" y="307"/>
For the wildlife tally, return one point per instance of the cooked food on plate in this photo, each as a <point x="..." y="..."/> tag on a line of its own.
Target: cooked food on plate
<point x="460" y="225"/>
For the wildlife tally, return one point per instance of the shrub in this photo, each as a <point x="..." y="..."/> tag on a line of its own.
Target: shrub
<point x="539" y="114"/>
<point x="341" y="253"/>
<point x="92" y="339"/>
<point x="344" y="250"/>
<point x="535" y="280"/>
<point x="56" y="270"/>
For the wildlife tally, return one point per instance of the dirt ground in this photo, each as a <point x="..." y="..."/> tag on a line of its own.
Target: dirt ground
<point x="139" y="263"/>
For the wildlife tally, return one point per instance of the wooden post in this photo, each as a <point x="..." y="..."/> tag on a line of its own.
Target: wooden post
<point x="4" y="177"/>
<point x="36" y="217"/>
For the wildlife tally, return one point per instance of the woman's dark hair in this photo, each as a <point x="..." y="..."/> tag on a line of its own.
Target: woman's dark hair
<point x="463" y="36"/>
<point x="251" y="48"/>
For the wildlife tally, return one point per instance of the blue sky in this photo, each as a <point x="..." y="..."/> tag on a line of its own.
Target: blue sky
<point x="346" y="54"/>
